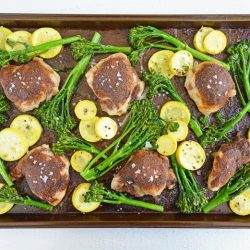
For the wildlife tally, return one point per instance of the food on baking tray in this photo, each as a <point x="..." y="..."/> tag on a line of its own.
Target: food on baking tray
<point x="181" y="62"/>
<point x="13" y="144"/>
<point x="87" y="197"/>
<point x="44" y="35"/>
<point x="210" y="86"/>
<point x="4" y="174"/>
<point x="29" y="84"/>
<point x="144" y="125"/>
<point x="159" y="63"/>
<point x="215" y="42"/>
<point x="67" y="141"/>
<point x="55" y="114"/>
<point x="47" y="175"/>
<point x="199" y="38"/>
<point x="4" y="107"/>
<point x="215" y="133"/>
<point x="84" y="47"/>
<point x="190" y="155"/>
<point x="159" y="84"/>
<point x="146" y="37"/>
<point x="145" y="173"/>
<point x="128" y="152"/>
<point x="87" y="130"/>
<point x="237" y="184"/>
<point x="85" y="110"/>
<point x="115" y="83"/>
<point x="240" y="204"/>
<point x="192" y="197"/>
<point x="29" y="126"/>
<point x="17" y="40"/>
<point x="226" y="161"/>
<point x="80" y="159"/>
<point x="4" y="32"/>
<point x="166" y="145"/>
<point x="10" y="196"/>
<point x="239" y="61"/>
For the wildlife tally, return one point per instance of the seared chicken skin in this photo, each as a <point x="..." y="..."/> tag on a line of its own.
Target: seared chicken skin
<point x="46" y="174"/>
<point x="226" y="161"/>
<point x="115" y="83"/>
<point x="145" y="173"/>
<point x="210" y="86"/>
<point x="29" y="84"/>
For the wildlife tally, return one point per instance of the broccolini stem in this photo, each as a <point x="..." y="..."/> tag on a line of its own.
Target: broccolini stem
<point x="29" y="202"/>
<point x="5" y="175"/>
<point x="43" y="47"/>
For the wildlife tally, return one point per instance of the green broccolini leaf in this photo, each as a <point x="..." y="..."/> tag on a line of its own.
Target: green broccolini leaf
<point x="4" y="106"/>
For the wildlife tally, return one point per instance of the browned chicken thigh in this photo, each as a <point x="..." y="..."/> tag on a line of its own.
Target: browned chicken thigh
<point x="226" y="161"/>
<point x="210" y="86"/>
<point x="115" y="83"/>
<point x="145" y="173"/>
<point x="46" y="174"/>
<point x="29" y="84"/>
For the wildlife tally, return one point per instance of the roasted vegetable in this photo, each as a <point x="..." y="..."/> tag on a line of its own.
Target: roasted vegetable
<point x="4" y="174"/>
<point x="238" y="183"/>
<point x="85" y="47"/>
<point x="192" y="198"/>
<point x="144" y="37"/>
<point x="144" y="125"/>
<point x="160" y="84"/>
<point x="9" y="194"/>
<point x="55" y="114"/>
<point x="4" y="106"/>
<point x="239" y="61"/>
<point x="28" y="53"/>
<point x="98" y="193"/>
<point x="213" y="133"/>
<point x="68" y="141"/>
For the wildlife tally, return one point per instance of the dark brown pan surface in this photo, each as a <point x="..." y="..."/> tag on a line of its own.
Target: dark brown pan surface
<point x="114" y="30"/>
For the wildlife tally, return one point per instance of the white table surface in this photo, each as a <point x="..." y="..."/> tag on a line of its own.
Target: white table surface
<point x="115" y="239"/>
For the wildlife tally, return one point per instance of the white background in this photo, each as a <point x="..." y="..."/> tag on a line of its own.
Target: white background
<point x="115" y="239"/>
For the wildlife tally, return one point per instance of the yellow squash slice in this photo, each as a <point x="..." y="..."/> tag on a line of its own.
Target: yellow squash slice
<point x="44" y="35"/>
<point x="240" y="204"/>
<point x="175" y="111"/>
<point x="215" y="42"/>
<point x="181" y="62"/>
<point x="85" y="110"/>
<point x="159" y="63"/>
<point x="87" y="129"/>
<point x="80" y="159"/>
<point x="166" y="145"/>
<point x="199" y="38"/>
<point x="21" y="36"/>
<point x="181" y="132"/>
<point x="248" y="134"/>
<point x="5" y="206"/>
<point x="78" y="199"/>
<point x="4" y="32"/>
<point x="190" y="155"/>
<point x="29" y="126"/>
<point x="13" y="144"/>
<point x="106" y="128"/>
